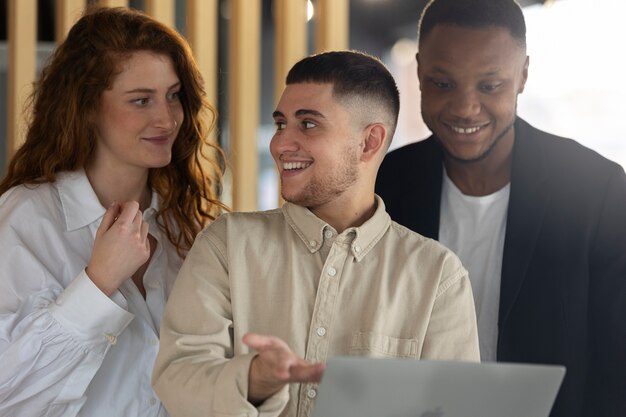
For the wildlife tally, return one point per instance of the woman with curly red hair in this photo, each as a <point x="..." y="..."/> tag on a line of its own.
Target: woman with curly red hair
<point x="98" y="209"/>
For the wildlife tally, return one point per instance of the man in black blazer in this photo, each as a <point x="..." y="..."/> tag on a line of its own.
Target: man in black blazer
<point x="549" y="263"/>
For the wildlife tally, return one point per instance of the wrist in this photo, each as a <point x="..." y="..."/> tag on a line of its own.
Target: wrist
<point x="260" y="388"/>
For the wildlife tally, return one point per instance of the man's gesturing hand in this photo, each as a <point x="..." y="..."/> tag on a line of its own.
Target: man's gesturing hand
<point x="274" y="366"/>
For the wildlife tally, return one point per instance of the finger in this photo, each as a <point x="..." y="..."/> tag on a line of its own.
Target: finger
<point x="108" y="219"/>
<point x="138" y="220"/>
<point x="144" y="233"/>
<point x="128" y="213"/>
<point x="306" y="372"/>
<point x="261" y="342"/>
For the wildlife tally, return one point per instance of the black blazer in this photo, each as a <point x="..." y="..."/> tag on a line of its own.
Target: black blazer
<point x="563" y="290"/>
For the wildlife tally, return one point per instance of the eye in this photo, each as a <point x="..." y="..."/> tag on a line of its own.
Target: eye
<point x="490" y="87"/>
<point x="174" y="96"/>
<point x="442" y="85"/>
<point x="308" y="125"/>
<point x="280" y="125"/>
<point x="141" y="102"/>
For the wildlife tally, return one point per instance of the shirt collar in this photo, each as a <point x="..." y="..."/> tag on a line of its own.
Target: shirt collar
<point x="80" y="203"/>
<point x="310" y="228"/>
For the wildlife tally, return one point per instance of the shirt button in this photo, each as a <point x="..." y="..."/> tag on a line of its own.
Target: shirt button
<point x="328" y="234"/>
<point x="332" y="271"/>
<point x="153" y="401"/>
<point x="110" y="338"/>
<point x="321" y="331"/>
<point x="154" y="342"/>
<point x="311" y="393"/>
<point x="313" y="243"/>
<point x="357" y="248"/>
<point x="155" y="284"/>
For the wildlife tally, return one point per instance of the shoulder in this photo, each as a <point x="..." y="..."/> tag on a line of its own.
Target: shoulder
<point x="424" y="249"/>
<point x="422" y="259"/>
<point x="30" y="203"/>
<point x="408" y="165"/>
<point x="243" y="223"/>
<point x="563" y="157"/>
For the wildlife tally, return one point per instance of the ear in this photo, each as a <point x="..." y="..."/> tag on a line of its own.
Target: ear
<point x="374" y="142"/>
<point x="524" y="75"/>
<point x="419" y="73"/>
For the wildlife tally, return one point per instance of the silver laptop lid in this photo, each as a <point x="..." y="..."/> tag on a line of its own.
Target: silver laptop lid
<point x="373" y="387"/>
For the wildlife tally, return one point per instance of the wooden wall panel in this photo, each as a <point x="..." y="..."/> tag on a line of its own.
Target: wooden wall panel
<point x="161" y="10"/>
<point x="290" y="21"/>
<point x="244" y="68"/>
<point x="331" y="25"/>
<point x="22" y="43"/>
<point x="66" y="14"/>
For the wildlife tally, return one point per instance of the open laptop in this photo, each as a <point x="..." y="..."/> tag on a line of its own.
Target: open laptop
<point x="372" y="387"/>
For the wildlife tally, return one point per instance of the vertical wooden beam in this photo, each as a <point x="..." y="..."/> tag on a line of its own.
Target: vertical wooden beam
<point x="113" y="3"/>
<point x="244" y="91"/>
<point x="201" y="23"/>
<point x="161" y="10"/>
<point x="22" y="43"/>
<point x="291" y="38"/>
<point x="290" y="43"/>
<point x="67" y="12"/>
<point x="331" y="25"/>
<point x="202" y="32"/>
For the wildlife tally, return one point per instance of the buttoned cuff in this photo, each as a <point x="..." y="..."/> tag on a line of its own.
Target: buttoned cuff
<point x="88" y="313"/>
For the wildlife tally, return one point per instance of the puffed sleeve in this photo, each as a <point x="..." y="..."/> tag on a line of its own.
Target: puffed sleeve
<point x="53" y="338"/>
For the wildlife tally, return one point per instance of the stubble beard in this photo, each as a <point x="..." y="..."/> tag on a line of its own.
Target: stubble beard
<point x="320" y="191"/>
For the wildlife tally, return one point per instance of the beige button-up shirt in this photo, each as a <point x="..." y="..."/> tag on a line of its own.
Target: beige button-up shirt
<point x="375" y="290"/>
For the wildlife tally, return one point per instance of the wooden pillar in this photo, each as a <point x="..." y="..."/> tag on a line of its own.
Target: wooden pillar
<point x="290" y="21"/>
<point x="161" y="10"/>
<point x="113" y="3"/>
<point x="67" y="12"/>
<point x="22" y="43"/>
<point x="244" y="91"/>
<point x="331" y="25"/>
<point x="202" y="32"/>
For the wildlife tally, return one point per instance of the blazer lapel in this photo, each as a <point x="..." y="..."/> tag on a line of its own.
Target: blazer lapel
<point x="527" y="203"/>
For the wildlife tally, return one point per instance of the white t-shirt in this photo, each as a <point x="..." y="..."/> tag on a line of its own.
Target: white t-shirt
<point x="66" y="349"/>
<point x="474" y="228"/>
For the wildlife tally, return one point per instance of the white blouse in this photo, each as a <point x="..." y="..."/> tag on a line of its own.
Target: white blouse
<point x="66" y="349"/>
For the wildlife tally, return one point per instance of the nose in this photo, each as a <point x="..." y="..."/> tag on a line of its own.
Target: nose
<point x="284" y="141"/>
<point x="165" y="117"/>
<point x="465" y="104"/>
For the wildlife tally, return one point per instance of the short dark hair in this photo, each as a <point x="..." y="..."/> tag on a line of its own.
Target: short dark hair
<point x="352" y="74"/>
<point x="474" y="13"/>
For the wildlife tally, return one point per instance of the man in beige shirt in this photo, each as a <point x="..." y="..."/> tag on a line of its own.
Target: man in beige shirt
<point x="263" y="299"/>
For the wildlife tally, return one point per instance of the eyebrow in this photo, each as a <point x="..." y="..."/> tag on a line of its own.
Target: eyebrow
<point x="300" y="113"/>
<point x="485" y="74"/>
<point x="144" y="90"/>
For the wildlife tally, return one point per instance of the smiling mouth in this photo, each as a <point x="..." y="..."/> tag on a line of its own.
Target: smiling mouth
<point x="465" y="130"/>
<point x="293" y="166"/>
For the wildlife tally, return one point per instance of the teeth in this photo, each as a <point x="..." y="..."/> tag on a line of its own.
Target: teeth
<point x="466" y="131"/>
<point x="295" y="165"/>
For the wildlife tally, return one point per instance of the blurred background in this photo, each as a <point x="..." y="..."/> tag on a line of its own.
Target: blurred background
<point x="574" y="87"/>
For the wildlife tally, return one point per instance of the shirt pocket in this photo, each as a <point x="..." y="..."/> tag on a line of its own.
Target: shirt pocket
<point x="378" y="345"/>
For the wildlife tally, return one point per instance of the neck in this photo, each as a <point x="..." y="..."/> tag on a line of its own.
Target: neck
<point x="342" y="215"/>
<point x="484" y="177"/>
<point x="116" y="186"/>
